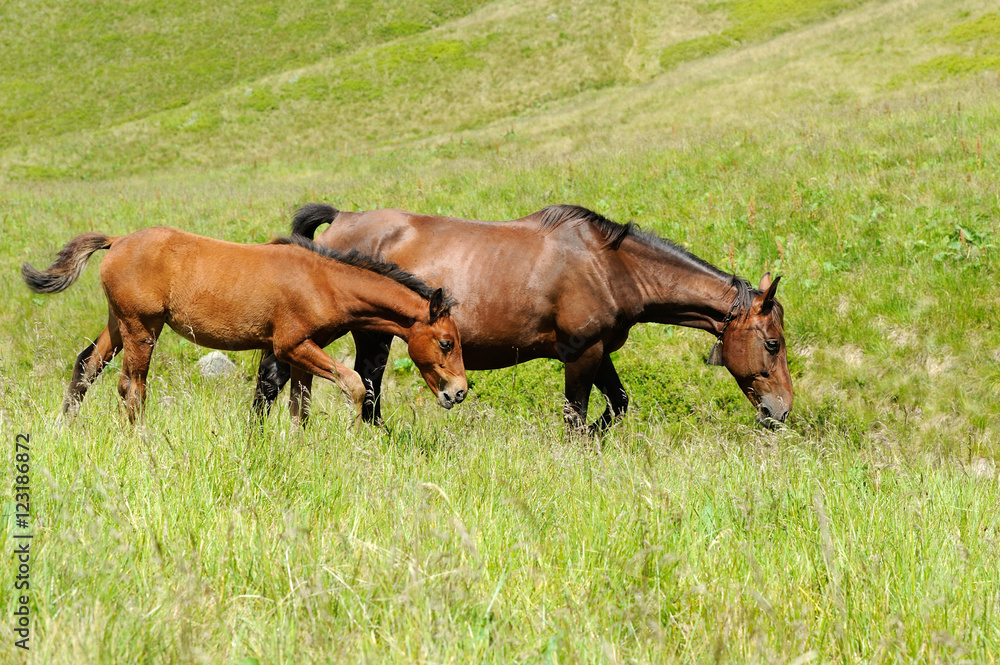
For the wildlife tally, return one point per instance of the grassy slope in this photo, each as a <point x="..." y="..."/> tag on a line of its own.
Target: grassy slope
<point x="849" y="146"/>
<point x="72" y="68"/>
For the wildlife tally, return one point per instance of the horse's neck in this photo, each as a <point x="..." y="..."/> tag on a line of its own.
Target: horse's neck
<point x="386" y="306"/>
<point x="674" y="289"/>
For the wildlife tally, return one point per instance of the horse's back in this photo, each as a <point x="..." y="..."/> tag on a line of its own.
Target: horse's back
<point x="138" y="268"/>
<point x="196" y="283"/>
<point x="516" y="282"/>
<point x="469" y="257"/>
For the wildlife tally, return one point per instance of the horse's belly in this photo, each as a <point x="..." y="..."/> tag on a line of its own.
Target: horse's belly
<point x="495" y="357"/>
<point x="216" y="335"/>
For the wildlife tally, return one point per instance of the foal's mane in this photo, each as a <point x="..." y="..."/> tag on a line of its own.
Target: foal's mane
<point x="367" y="262"/>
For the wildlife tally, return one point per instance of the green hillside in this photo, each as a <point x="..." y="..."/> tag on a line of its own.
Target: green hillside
<point x="850" y="146"/>
<point x="137" y="90"/>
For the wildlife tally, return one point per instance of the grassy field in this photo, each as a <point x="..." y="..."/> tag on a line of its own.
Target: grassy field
<point x="850" y="146"/>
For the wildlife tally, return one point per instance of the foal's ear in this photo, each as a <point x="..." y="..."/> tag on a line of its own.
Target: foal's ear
<point x="772" y="288"/>
<point x="437" y="305"/>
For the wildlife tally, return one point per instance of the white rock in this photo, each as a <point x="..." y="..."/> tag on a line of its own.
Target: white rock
<point x="215" y="364"/>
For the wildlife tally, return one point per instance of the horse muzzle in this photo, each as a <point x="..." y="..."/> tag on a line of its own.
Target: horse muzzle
<point x="772" y="412"/>
<point x="451" y="396"/>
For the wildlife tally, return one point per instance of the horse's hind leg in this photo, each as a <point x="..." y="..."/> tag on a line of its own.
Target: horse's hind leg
<point x="308" y="356"/>
<point x="89" y="364"/>
<point x="607" y="382"/>
<point x="272" y="375"/>
<point x="138" y="339"/>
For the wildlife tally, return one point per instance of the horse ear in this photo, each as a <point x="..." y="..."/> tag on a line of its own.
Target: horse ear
<point x="765" y="282"/>
<point x="772" y="288"/>
<point x="715" y="355"/>
<point x="437" y="305"/>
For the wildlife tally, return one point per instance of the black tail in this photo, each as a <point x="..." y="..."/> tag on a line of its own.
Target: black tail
<point x="68" y="264"/>
<point x="312" y="215"/>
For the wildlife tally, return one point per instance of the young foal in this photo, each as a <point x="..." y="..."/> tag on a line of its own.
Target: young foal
<point x="289" y="297"/>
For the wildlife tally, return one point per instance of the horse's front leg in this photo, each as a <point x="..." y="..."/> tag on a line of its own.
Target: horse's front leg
<point x="309" y="357"/>
<point x="607" y="382"/>
<point x="371" y="356"/>
<point x="580" y="375"/>
<point x="300" y="395"/>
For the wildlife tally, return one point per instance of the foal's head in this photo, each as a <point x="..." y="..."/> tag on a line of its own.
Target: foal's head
<point x="436" y="349"/>
<point x="753" y="350"/>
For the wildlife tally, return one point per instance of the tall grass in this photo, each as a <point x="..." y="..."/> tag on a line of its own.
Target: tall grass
<point x="866" y="530"/>
<point x="489" y="538"/>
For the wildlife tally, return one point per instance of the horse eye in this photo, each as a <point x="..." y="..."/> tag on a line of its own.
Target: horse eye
<point x="446" y="345"/>
<point x="772" y="345"/>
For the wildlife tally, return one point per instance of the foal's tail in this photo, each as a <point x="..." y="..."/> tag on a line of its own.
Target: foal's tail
<point x="68" y="265"/>
<point x="312" y="215"/>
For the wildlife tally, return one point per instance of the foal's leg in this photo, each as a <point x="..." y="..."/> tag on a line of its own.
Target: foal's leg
<point x="371" y="355"/>
<point x="607" y="382"/>
<point x="579" y="380"/>
<point x="310" y="357"/>
<point x="272" y="375"/>
<point x="89" y="364"/>
<point x="138" y="339"/>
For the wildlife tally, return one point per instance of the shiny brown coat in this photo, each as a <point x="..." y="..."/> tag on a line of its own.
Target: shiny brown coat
<point x="289" y="298"/>
<point x="562" y="283"/>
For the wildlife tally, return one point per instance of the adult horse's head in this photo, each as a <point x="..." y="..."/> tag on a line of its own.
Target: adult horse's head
<point x="436" y="349"/>
<point x="753" y="350"/>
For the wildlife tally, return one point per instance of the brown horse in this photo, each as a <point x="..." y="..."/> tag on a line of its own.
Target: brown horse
<point x="290" y="298"/>
<point x="561" y="283"/>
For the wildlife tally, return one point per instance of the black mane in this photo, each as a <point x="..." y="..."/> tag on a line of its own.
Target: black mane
<point x="366" y="262"/>
<point x="614" y="233"/>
